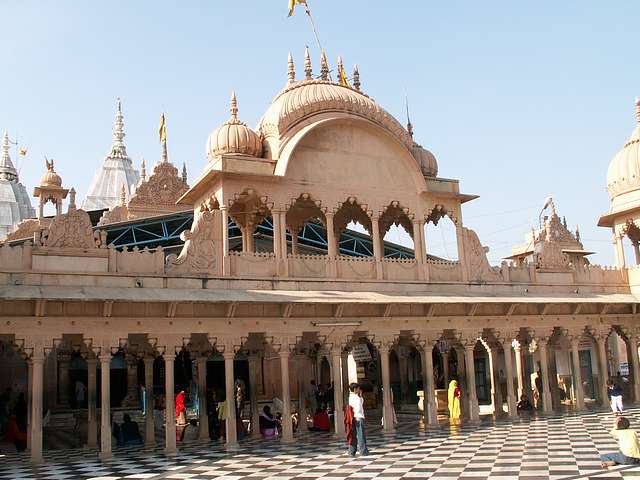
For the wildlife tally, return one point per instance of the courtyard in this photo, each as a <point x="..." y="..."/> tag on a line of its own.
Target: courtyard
<point x="553" y="446"/>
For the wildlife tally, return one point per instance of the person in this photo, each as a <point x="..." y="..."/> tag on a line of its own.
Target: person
<point x="614" y="392"/>
<point x="627" y="438"/>
<point x="320" y="420"/>
<point x="116" y="432"/>
<point x="312" y="397"/>
<point x="191" y="432"/>
<point x="130" y="431"/>
<point x="181" y="409"/>
<point x="453" y="398"/>
<point x="268" y="423"/>
<point x="524" y="405"/>
<point x="81" y="390"/>
<point x="355" y="413"/>
<point x="16" y="435"/>
<point x="537" y="392"/>
<point x="239" y="398"/>
<point x="222" y="418"/>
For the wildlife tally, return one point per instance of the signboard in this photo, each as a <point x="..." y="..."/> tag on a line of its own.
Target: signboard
<point x="360" y="353"/>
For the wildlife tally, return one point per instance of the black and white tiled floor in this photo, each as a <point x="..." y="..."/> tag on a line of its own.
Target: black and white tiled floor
<point x="555" y="447"/>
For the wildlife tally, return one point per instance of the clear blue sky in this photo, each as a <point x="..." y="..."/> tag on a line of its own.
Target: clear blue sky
<point x="519" y="100"/>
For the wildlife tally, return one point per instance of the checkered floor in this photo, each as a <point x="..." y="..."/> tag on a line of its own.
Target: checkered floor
<point x="556" y="447"/>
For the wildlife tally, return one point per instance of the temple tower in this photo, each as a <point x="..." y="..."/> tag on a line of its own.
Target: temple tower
<point x="15" y="204"/>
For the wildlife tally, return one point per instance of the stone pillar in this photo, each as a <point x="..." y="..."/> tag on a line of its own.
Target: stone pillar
<point x="30" y="399"/>
<point x="64" y="360"/>
<point x="378" y="249"/>
<point x="601" y="341"/>
<point x="283" y="234"/>
<point x="302" y="390"/>
<point x="36" y="387"/>
<point x="430" y="411"/>
<point x="620" y="261"/>
<point x="344" y="361"/>
<point x="169" y="402"/>
<point x="254" y="364"/>
<point x="508" y="367"/>
<point x="332" y="245"/>
<point x="387" y="402"/>
<point x="338" y="414"/>
<point x="419" y="246"/>
<point x="250" y="243"/>
<point x="149" y="425"/>
<point x="277" y="239"/>
<point x="132" y="400"/>
<point x="287" y="425"/>
<point x="202" y="397"/>
<point x="295" y="231"/>
<point x="225" y="240"/>
<point x="231" y="426"/>
<point x="92" y="424"/>
<point x="517" y="348"/>
<point x="404" y="373"/>
<point x="474" y="409"/>
<point x="577" y="374"/>
<point x="105" y="405"/>
<point x="496" y="394"/>
<point x="633" y="347"/>
<point x="547" y="406"/>
<point x="445" y="368"/>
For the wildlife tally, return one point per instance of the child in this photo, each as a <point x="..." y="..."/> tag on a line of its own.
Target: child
<point x="614" y="392"/>
<point x="629" y="453"/>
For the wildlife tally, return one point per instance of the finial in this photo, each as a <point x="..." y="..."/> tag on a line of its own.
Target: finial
<point x="638" y="109"/>
<point x="356" y="78"/>
<point x="291" y="70"/>
<point x="123" y="196"/>
<point x="234" y="108"/>
<point x="49" y="164"/>
<point x="578" y="232"/>
<point x="184" y="172"/>
<point x="7" y="170"/>
<point x="342" y="75"/>
<point x="143" y="171"/>
<point x="72" y="198"/>
<point x="324" y="67"/>
<point x="409" y="124"/>
<point x="165" y="155"/>
<point x="119" y="105"/>
<point x="307" y="64"/>
<point x="564" y="222"/>
<point x="118" y="130"/>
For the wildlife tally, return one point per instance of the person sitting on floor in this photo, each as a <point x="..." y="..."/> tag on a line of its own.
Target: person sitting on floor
<point x="191" y="432"/>
<point x="629" y="453"/>
<point x="524" y="405"/>
<point x="130" y="432"/>
<point x="268" y="423"/>
<point x="116" y="432"/>
<point x="320" y="420"/>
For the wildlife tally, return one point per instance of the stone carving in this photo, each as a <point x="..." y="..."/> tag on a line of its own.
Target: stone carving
<point x="27" y="228"/>
<point x="72" y="230"/>
<point x="119" y="213"/>
<point x="164" y="187"/>
<point x="476" y="257"/>
<point x="550" y="256"/>
<point x="198" y="252"/>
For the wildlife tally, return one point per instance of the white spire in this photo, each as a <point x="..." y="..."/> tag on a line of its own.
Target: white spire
<point x="118" y="149"/>
<point x="7" y="170"/>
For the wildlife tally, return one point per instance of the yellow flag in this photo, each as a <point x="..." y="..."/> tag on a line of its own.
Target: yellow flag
<point x="293" y="3"/>
<point x="162" y="131"/>
<point x="23" y="152"/>
<point x="342" y="76"/>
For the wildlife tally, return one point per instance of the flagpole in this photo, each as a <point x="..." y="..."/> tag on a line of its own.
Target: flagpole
<point x="315" y="32"/>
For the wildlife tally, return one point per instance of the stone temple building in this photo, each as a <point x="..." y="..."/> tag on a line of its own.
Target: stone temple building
<point x="249" y="298"/>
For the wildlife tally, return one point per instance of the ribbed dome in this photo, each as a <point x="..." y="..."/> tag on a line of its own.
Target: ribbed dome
<point x="624" y="169"/>
<point x="50" y="178"/>
<point x="426" y="160"/>
<point x="233" y="136"/>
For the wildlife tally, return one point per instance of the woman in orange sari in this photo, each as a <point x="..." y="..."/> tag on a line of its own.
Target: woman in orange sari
<point x="181" y="409"/>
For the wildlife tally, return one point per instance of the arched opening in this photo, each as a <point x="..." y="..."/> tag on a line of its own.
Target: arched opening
<point x="251" y="214"/>
<point x="441" y="238"/>
<point x="353" y="216"/>
<point x="306" y="223"/>
<point x="396" y="229"/>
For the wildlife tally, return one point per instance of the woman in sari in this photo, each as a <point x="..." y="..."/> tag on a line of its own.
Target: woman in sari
<point x="181" y="409"/>
<point x="454" y="401"/>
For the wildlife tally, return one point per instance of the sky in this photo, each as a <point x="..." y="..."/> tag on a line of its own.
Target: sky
<point x="517" y="100"/>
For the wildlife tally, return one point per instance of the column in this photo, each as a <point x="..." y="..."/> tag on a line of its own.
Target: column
<point x="295" y="231"/>
<point x="344" y="361"/>
<point x="474" y="409"/>
<point x="132" y="400"/>
<point x="378" y="252"/>
<point x="619" y="251"/>
<point x="225" y="240"/>
<point x="517" y="348"/>
<point x="29" y="400"/>
<point x="231" y="425"/>
<point x="430" y="411"/>
<point x="508" y="367"/>
<point x="445" y="368"/>
<point x="419" y="249"/>
<point x="496" y="394"/>
<point x="387" y="403"/>
<point x="547" y="407"/>
<point x="287" y="425"/>
<point x="169" y="402"/>
<point x="149" y="425"/>
<point x="254" y="363"/>
<point x="92" y="425"/>
<point x="302" y="397"/>
<point x="338" y="399"/>
<point x="36" y="387"/>
<point x="577" y="374"/>
<point x="404" y="373"/>
<point x="64" y="360"/>
<point x="202" y="397"/>
<point x="105" y="405"/>
<point x="633" y="347"/>
<point x="332" y="244"/>
<point x="601" y="341"/>
<point x="277" y="231"/>
<point x="250" y="228"/>
<point x="283" y="233"/>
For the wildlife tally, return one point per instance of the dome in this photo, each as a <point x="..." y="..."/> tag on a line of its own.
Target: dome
<point x="50" y="177"/>
<point x="624" y="169"/>
<point x="233" y="136"/>
<point x="426" y="160"/>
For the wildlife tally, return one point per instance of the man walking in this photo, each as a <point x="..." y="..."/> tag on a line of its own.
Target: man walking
<point x="355" y="422"/>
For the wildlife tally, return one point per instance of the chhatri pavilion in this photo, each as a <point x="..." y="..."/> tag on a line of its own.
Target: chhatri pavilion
<point x="248" y="296"/>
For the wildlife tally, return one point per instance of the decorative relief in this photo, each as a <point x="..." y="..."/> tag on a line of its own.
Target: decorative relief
<point x="73" y="230"/>
<point x="163" y="188"/>
<point x="476" y="257"/>
<point x="198" y="252"/>
<point x="27" y="228"/>
<point x="550" y="256"/>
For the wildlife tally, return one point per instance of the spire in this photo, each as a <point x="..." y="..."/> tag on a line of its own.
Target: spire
<point x="291" y="70"/>
<point x="143" y="171"/>
<point x="324" y="67"/>
<point x="578" y="233"/>
<point x="117" y="147"/>
<point x="564" y="222"/>
<point x="356" y="78"/>
<point x="409" y="124"/>
<point x="234" y="108"/>
<point x="72" y="198"/>
<point x="123" y="196"/>
<point x="638" y="109"/>
<point x="307" y="64"/>
<point x="7" y="170"/>
<point x="184" y="172"/>
<point x="165" y="154"/>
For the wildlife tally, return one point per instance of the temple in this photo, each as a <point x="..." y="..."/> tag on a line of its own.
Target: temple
<point x="251" y="278"/>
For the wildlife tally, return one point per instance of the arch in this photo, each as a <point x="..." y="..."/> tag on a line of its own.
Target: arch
<point x="248" y="210"/>
<point x="301" y="211"/>
<point x="351" y="211"/>
<point x="396" y="219"/>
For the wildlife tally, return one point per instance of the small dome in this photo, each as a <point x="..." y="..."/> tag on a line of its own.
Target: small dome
<point x="624" y="170"/>
<point x="50" y="178"/>
<point x="233" y="136"/>
<point x="426" y="160"/>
